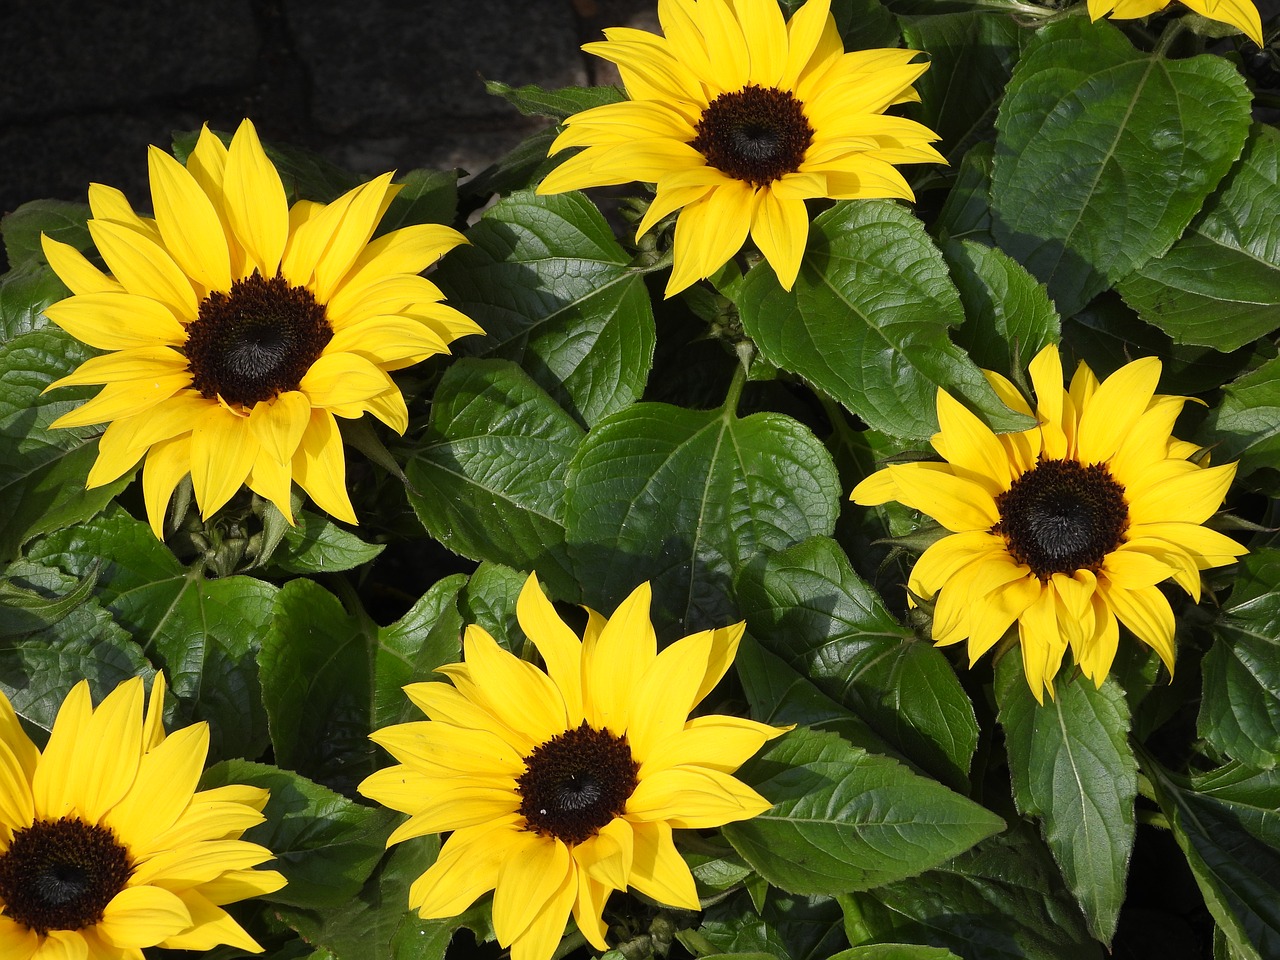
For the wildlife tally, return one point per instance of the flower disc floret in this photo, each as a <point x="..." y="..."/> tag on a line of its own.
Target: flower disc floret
<point x="563" y="786"/>
<point x="1066" y="529"/>
<point x="238" y="328"/>
<point x="100" y="831"/>
<point x="738" y="117"/>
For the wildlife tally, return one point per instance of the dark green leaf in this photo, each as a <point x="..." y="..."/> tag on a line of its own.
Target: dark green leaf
<point x="1008" y="315"/>
<point x="1240" y="708"/>
<point x="1226" y="824"/>
<point x="1085" y="111"/>
<point x="843" y="819"/>
<point x="24" y="293"/>
<point x="325" y="844"/>
<point x="971" y="57"/>
<point x="867" y="321"/>
<point x="555" y="293"/>
<point x="519" y="169"/>
<point x="863" y="24"/>
<point x="203" y="633"/>
<point x="1246" y="424"/>
<point x="489" y="600"/>
<point x="894" y="951"/>
<point x="1072" y="767"/>
<point x="534" y="101"/>
<point x="807" y="606"/>
<point x="59" y="219"/>
<point x="799" y="928"/>
<point x="1219" y="285"/>
<point x="685" y="499"/>
<point x="780" y="696"/>
<point x="314" y="670"/>
<point x="488" y="476"/>
<point x="426" y="196"/>
<point x="408" y="651"/>
<point x="1002" y="900"/>
<point x="26" y="611"/>
<point x="377" y="923"/>
<point x="315" y="544"/>
<point x="84" y="642"/>
<point x="966" y="214"/>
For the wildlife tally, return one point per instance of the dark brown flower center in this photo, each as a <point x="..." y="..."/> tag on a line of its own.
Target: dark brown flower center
<point x="756" y="134"/>
<point x="1062" y="516"/>
<point x="576" y="783"/>
<point x="61" y="874"/>
<point x="257" y="341"/>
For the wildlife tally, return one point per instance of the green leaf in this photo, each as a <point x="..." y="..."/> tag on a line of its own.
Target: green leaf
<point x="489" y="600"/>
<point x="894" y="951"/>
<point x="314" y="671"/>
<point x="78" y="640"/>
<point x="1245" y="426"/>
<point x="966" y="213"/>
<point x="518" y="169"/>
<point x="971" y="57"/>
<point x="325" y="845"/>
<point x="409" y="650"/>
<point x="1008" y="314"/>
<point x="1002" y="900"/>
<point x="315" y="544"/>
<point x="1225" y="822"/>
<point x="203" y="633"/>
<point x="1072" y="767"/>
<point x="555" y="293"/>
<point x="780" y="696"/>
<point x="377" y="924"/>
<point x="1240" y="707"/>
<point x="1219" y="285"/>
<point x="535" y="101"/>
<point x="685" y="499"/>
<point x="426" y="196"/>
<point x="799" y="928"/>
<point x="843" y="819"/>
<point x="807" y="606"/>
<point x="1082" y="115"/>
<point x="867" y="321"/>
<point x="488" y="475"/>
<point x="59" y="219"/>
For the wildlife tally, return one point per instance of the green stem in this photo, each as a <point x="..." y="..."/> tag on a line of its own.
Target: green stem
<point x="1171" y="33"/>
<point x="735" y="390"/>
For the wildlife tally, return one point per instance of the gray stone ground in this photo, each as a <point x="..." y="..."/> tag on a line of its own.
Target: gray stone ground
<point x="372" y="85"/>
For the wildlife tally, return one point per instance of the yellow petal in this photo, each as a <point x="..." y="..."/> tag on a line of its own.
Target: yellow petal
<point x="780" y="228"/>
<point x="278" y="424"/>
<point x="1042" y="644"/>
<point x="657" y="869"/>
<point x="320" y="469"/>
<point x="388" y="342"/>
<point x="709" y="232"/>
<point x="530" y="885"/>
<point x="1208" y="547"/>
<point x="117" y="321"/>
<point x="1241" y="14"/>
<point x="349" y="237"/>
<point x="108" y="751"/>
<point x="188" y="222"/>
<point x="210" y="927"/>
<point x="468" y="865"/>
<point x="73" y="269"/>
<point x="151" y="363"/>
<point x="717" y="742"/>
<point x="959" y="505"/>
<point x="694" y="798"/>
<point x="623" y="651"/>
<point x="142" y="916"/>
<point x="53" y="783"/>
<point x="125" y="399"/>
<point x="1114" y="409"/>
<point x="1147" y="613"/>
<point x="560" y="648"/>
<point x="167" y="463"/>
<point x="255" y="201"/>
<point x="144" y="268"/>
<point x="153" y="724"/>
<point x="223" y="448"/>
<point x="517" y="692"/>
<point x="166" y="779"/>
<point x="1179" y="493"/>
<point x="342" y="378"/>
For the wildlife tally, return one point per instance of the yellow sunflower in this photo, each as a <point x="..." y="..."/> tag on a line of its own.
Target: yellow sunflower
<point x="1241" y="14"/>
<point x="239" y="327"/>
<point x="739" y="117"/>
<point x="107" y="848"/>
<point x="1067" y="526"/>
<point x="561" y="787"/>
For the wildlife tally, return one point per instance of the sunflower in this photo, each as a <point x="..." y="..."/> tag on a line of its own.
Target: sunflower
<point x="739" y="117"/>
<point x="106" y="847"/>
<point x="561" y="787"/>
<point x="1241" y="14"/>
<point x="1066" y="527"/>
<point x="239" y="327"/>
